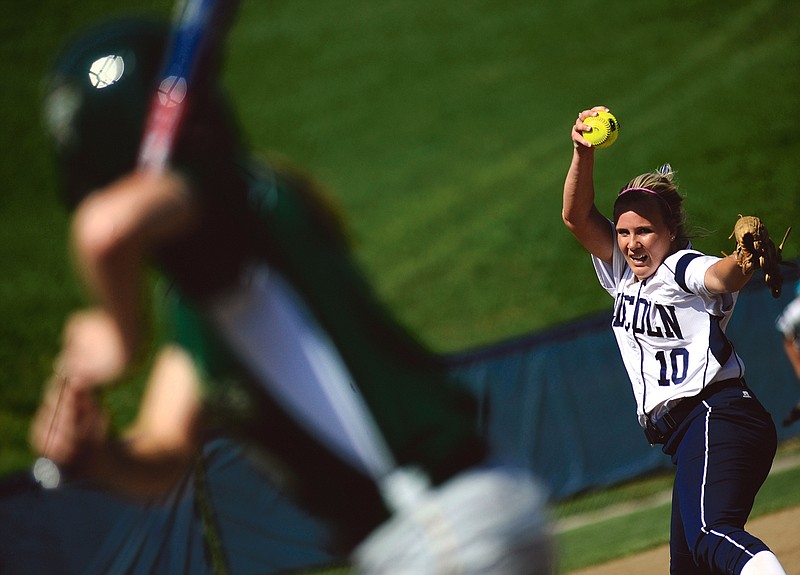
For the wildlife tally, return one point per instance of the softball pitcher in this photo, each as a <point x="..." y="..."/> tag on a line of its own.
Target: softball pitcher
<point x="671" y="307"/>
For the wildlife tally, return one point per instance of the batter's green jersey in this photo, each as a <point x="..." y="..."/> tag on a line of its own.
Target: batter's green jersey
<point x="425" y="419"/>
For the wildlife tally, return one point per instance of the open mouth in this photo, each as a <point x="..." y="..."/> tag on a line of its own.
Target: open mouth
<point x="640" y="258"/>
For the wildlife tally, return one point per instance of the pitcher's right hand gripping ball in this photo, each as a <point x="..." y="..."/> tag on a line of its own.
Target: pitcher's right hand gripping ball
<point x="604" y="129"/>
<point x="755" y="249"/>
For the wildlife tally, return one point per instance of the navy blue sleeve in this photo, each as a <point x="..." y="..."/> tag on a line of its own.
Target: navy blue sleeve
<point x="680" y="269"/>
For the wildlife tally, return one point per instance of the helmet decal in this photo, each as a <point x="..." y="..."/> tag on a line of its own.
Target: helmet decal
<point x="106" y="71"/>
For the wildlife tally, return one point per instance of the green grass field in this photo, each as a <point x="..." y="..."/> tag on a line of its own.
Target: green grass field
<point x="442" y="129"/>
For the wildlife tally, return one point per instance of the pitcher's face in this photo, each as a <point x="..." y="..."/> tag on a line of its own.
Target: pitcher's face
<point x="644" y="238"/>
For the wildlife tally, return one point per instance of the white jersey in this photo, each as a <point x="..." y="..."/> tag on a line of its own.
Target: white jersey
<point x="788" y="323"/>
<point x="670" y="329"/>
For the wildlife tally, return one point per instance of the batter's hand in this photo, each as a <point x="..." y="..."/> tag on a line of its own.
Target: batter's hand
<point x="93" y="353"/>
<point x="69" y="425"/>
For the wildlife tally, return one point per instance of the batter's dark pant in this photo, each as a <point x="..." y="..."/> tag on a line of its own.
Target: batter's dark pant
<point x="723" y="452"/>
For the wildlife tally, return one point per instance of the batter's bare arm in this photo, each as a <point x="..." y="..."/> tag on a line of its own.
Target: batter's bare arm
<point x="113" y="232"/>
<point x="163" y="441"/>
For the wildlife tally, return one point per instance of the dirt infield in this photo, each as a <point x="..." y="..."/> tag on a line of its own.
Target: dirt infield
<point x="781" y="531"/>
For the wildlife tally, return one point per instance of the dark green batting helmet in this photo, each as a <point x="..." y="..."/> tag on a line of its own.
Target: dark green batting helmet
<point x="98" y="93"/>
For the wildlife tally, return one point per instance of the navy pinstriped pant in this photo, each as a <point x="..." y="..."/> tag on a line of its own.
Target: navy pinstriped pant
<point x="723" y="452"/>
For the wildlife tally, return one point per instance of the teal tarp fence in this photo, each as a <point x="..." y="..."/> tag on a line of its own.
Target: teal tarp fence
<point x="560" y="400"/>
<point x="76" y="530"/>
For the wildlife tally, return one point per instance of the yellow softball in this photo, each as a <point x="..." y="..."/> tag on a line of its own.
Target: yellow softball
<point x="604" y="129"/>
